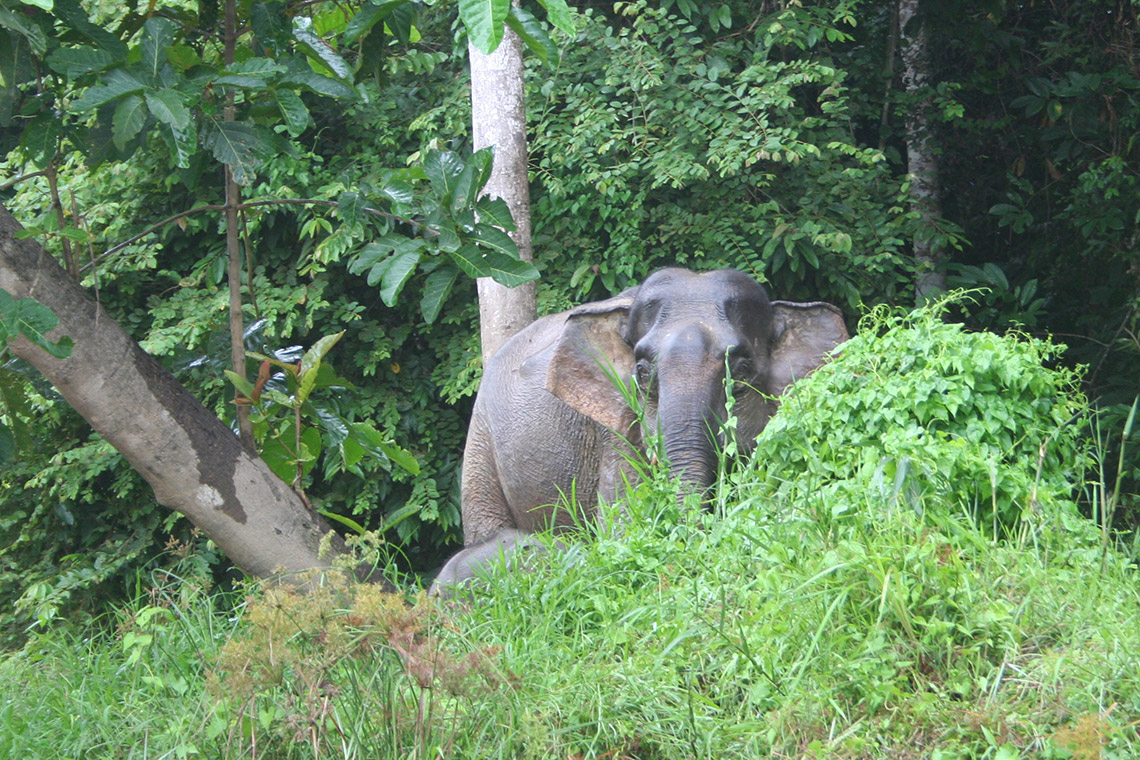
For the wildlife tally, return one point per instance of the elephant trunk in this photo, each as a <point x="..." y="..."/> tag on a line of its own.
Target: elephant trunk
<point x="690" y="414"/>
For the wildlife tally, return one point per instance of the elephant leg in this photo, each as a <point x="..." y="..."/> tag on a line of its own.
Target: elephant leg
<point x="485" y="508"/>
<point x="513" y="546"/>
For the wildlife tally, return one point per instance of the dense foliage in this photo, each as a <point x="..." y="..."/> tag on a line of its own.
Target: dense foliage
<point x="768" y="137"/>
<point x="917" y="410"/>
<point x="760" y="628"/>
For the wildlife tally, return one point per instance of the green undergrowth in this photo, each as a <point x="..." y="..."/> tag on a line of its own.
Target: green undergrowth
<point x="838" y="605"/>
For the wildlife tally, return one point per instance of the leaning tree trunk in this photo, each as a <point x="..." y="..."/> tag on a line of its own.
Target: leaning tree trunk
<point x="192" y="460"/>
<point x="922" y="159"/>
<point x="498" y="117"/>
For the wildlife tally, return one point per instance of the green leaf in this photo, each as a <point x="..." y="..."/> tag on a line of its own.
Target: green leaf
<point x="401" y="21"/>
<point x="509" y="271"/>
<point x="398" y="272"/>
<point x="40" y="138"/>
<point x="350" y="205"/>
<point x="75" y="62"/>
<point x="240" y="146"/>
<point x="167" y="107"/>
<point x="23" y="26"/>
<point x="318" y="83"/>
<point x="7" y="444"/>
<point x="484" y="21"/>
<point x="293" y="110"/>
<point x="494" y="238"/>
<point x="443" y="168"/>
<point x="72" y="14"/>
<point x="476" y="172"/>
<point x="315" y="355"/>
<point x="183" y="144"/>
<point x="531" y="32"/>
<point x="311" y="43"/>
<point x="32" y="320"/>
<point x="436" y="290"/>
<point x="117" y="83"/>
<point x="271" y="26"/>
<point x="158" y="35"/>
<point x="44" y="4"/>
<point x="399" y="191"/>
<point x="376" y="252"/>
<point x="496" y="212"/>
<point x="558" y="14"/>
<point x="472" y="261"/>
<point x="244" y="386"/>
<point x="347" y="522"/>
<point x="366" y="18"/>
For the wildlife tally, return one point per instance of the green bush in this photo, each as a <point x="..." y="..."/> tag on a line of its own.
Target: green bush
<point x="917" y="411"/>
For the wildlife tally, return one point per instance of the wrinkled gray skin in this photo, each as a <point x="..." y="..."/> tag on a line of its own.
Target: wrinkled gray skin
<point x="549" y="421"/>
<point x="512" y="545"/>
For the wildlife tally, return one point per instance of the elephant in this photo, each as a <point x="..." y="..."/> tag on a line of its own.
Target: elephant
<point x="514" y="546"/>
<point x="549" y="420"/>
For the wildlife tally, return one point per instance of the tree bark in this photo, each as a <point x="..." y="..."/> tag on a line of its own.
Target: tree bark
<point x="190" y="458"/>
<point x="233" y="249"/>
<point x="922" y="158"/>
<point x="498" y="117"/>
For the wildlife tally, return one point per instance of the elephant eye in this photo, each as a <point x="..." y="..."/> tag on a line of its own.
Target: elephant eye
<point x="643" y="373"/>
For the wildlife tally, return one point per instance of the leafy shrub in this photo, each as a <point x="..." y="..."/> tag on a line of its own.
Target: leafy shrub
<point x="915" y="408"/>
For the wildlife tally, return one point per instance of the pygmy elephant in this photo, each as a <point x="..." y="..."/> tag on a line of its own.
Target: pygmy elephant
<point x="549" y="420"/>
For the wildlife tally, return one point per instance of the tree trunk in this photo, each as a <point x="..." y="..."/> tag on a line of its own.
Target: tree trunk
<point x="192" y="460"/>
<point x="498" y="117"/>
<point x="922" y="159"/>
<point x="233" y="251"/>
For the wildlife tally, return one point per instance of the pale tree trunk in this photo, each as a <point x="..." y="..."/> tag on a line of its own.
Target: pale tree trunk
<point x="498" y="117"/>
<point x="191" y="459"/>
<point x="922" y="158"/>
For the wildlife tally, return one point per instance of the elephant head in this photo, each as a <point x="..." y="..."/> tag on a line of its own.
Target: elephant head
<point x="674" y="336"/>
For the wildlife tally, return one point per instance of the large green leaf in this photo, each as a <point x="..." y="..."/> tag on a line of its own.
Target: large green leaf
<point x="158" y="35"/>
<point x="366" y="18"/>
<point x="531" y="32"/>
<point x="350" y="205"/>
<point x="509" y="271"/>
<point x="72" y="14"/>
<point x="32" y="320"/>
<point x="436" y="290"/>
<point x="183" y="144"/>
<point x="311" y="43"/>
<point x="558" y="14"/>
<point x="494" y="238"/>
<point x="495" y="211"/>
<point x="77" y="61"/>
<point x="23" y="26"/>
<point x="293" y="110"/>
<point x="167" y="107"/>
<point x="403" y="266"/>
<point x="443" y="168"/>
<point x="238" y="145"/>
<point x="40" y="138"/>
<point x="476" y="172"/>
<point x="128" y="121"/>
<point x="318" y="83"/>
<point x="116" y="84"/>
<point x="271" y="26"/>
<point x="472" y="261"/>
<point x="484" y="20"/>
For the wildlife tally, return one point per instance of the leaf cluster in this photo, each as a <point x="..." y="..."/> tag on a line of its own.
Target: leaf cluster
<point x="919" y="411"/>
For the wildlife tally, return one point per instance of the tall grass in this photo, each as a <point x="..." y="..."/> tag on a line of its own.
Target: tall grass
<point x="895" y="595"/>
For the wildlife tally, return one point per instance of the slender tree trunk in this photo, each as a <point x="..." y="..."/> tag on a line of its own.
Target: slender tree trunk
<point x="233" y="247"/>
<point x="922" y="157"/>
<point x="191" y="458"/>
<point x="498" y="117"/>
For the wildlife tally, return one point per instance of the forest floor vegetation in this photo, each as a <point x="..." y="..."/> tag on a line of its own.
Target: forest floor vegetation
<point x="909" y="583"/>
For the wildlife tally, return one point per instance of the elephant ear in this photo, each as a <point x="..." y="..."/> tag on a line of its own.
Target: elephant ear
<point x="802" y="335"/>
<point x="589" y="350"/>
